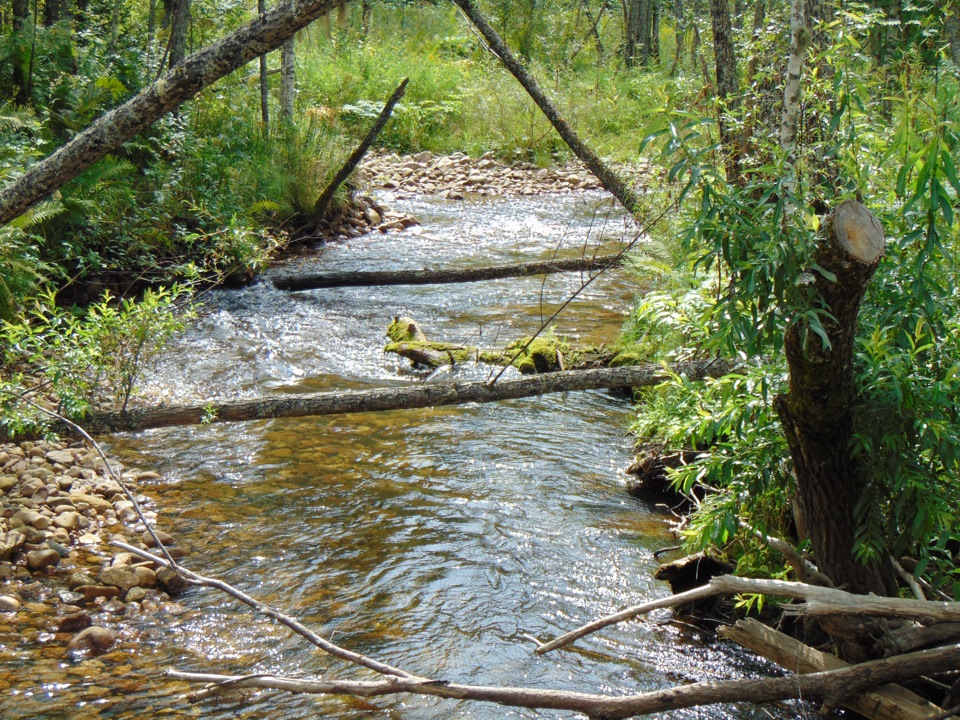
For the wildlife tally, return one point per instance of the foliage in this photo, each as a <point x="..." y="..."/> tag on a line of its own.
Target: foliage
<point x="86" y="359"/>
<point x="750" y="259"/>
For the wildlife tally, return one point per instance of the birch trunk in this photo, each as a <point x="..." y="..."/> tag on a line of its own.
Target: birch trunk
<point x="288" y="78"/>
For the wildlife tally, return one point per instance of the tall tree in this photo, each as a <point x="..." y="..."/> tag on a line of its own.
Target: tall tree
<point x="728" y="94"/>
<point x="288" y="77"/>
<point x="21" y="16"/>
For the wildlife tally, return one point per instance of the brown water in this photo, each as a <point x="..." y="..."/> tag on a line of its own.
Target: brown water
<point x="430" y="539"/>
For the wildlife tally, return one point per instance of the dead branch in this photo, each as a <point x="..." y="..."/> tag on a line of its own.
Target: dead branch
<point x="884" y="702"/>
<point x="286" y="620"/>
<point x="320" y="208"/>
<point x="419" y="396"/>
<point x="611" y="181"/>
<point x="819" y="601"/>
<point x="821" y="685"/>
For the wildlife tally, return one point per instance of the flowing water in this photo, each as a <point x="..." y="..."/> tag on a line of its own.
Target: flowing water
<point x="436" y="540"/>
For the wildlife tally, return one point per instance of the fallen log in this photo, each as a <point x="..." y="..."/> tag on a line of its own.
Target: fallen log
<point x="437" y="277"/>
<point x="320" y="208"/>
<point x="396" y="398"/>
<point x="885" y="702"/>
<point x="609" y="178"/>
<point x="528" y="355"/>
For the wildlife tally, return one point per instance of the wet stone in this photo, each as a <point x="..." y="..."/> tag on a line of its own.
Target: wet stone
<point x="165" y="538"/>
<point x="39" y="559"/>
<point x="94" y="639"/>
<point x="72" y="622"/>
<point x="9" y="604"/>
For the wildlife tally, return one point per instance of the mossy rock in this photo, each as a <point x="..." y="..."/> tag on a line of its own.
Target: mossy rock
<point x="404" y="329"/>
<point x="627" y="357"/>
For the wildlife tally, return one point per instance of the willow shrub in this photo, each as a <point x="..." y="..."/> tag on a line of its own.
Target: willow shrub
<point x="748" y="259"/>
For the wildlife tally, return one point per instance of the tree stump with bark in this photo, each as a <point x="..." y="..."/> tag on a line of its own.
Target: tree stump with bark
<point x="816" y="413"/>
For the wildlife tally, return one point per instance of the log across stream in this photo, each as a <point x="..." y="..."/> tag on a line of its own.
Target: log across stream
<point x="436" y="538"/>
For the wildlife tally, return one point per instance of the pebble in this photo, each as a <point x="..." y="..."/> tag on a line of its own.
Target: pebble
<point x="94" y="639"/>
<point x="39" y="559"/>
<point x="9" y="604"/>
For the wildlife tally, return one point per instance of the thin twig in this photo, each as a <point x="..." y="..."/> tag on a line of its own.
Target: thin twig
<point x="293" y="624"/>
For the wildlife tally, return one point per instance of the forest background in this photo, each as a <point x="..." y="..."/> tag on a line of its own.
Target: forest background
<point x="730" y="268"/>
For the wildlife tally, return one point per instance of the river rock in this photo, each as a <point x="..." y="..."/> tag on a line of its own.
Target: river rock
<point x="9" y="604"/>
<point x="92" y="592"/>
<point x="94" y="639"/>
<point x="31" y="518"/>
<point x="165" y="538"/>
<point x="11" y="542"/>
<point x="80" y="578"/>
<point x="39" y="559"/>
<point x="62" y="457"/>
<point x="120" y="577"/>
<point x="69" y="520"/>
<point x="72" y="622"/>
<point x="146" y="578"/>
<point x="7" y="482"/>
<point x="136" y="594"/>
<point x="170" y="581"/>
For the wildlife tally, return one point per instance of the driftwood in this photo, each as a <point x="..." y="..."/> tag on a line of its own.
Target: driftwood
<point x="529" y="356"/>
<point x="885" y="702"/>
<point x="820" y="601"/>
<point x="436" y="277"/>
<point x="320" y="208"/>
<point x="611" y="181"/>
<point x="419" y="396"/>
<point x="828" y="685"/>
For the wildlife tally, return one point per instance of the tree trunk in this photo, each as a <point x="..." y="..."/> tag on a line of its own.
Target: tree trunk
<point x="288" y="78"/>
<point x="398" y="398"/>
<point x="678" y="51"/>
<point x="366" y="16"/>
<point x="727" y="87"/>
<point x="51" y="12"/>
<point x="179" y="27"/>
<point x="151" y="36"/>
<point x="323" y="202"/>
<point x="21" y="14"/>
<point x="952" y="30"/>
<point x="434" y="277"/>
<point x="264" y="87"/>
<point x="816" y="413"/>
<point x="114" y="128"/>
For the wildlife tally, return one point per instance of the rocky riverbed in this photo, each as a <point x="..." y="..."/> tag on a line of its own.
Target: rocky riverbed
<point x="457" y="177"/>
<point x="60" y="580"/>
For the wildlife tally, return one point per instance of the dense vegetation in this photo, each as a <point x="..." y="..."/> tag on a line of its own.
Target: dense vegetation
<point x="211" y="192"/>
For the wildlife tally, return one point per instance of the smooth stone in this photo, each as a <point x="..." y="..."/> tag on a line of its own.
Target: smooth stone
<point x="79" y="579"/>
<point x="92" y="592"/>
<point x="9" y="604"/>
<point x="39" y="559"/>
<point x="62" y="550"/>
<point x="120" y="577"/>
<point x="11" y="542"/>
<point x="73" y="622"/>
<point x="136" y="594"/>
<point x="95" y="639"/>
<point x="64" y="457"/>
<point x="69" y="520"/>
<point x="165" y="538"/>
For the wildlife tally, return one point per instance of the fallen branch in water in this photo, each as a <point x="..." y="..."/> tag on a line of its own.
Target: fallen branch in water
<point x="829" y="685"/>
<point x="397" y="398"/>
<point x="819" y="601"/>
<point x="438" y="277"/>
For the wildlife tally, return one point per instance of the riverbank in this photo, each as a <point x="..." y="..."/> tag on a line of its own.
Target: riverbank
<point x="60" y="507"/>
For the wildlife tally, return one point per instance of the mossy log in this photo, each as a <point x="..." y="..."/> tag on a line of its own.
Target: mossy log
<point x="528" y="355"/>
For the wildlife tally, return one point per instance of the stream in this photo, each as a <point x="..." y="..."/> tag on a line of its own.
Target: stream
<point x="434" y="540"/>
